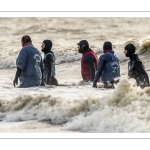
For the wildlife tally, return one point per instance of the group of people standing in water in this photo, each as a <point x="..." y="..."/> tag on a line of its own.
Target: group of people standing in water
<point x="107" y="68"/>
<point x="32" y="70"/>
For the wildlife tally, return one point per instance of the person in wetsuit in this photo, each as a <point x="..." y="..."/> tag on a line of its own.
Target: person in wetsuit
<point x="136" y="68"/>
<point x="29" y="65"/>
<point x="108" y="67"/>
<point x="89" y="61"/>
<point x="49" y="64"/>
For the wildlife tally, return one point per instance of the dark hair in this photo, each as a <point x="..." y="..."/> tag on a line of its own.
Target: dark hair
<point x="26" y="39"/>
<point x="107" y="45"/>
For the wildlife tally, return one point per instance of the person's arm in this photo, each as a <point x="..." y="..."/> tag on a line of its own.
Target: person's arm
<point x="90" y="63"/>
<point x="42" y="81"/>
<point x="147" y="79"/>
<point x="139" y="67"/>
<point x="48" y="62"/>
<point x="18" y="72"/>
<point x="41" y="66"/>
<point x="22" y="58"/>
<point x="20" y="63"/>
<point x="101" y="65"/>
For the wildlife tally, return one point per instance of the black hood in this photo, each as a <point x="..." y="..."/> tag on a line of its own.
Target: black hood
<point x="130" y="49"/>
<point x="48" y="46"/>
<point x="107" y="46"/>
<point x="84" y="46"/>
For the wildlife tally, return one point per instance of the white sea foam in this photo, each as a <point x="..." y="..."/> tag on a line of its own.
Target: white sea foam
<point x="125" y="110"/>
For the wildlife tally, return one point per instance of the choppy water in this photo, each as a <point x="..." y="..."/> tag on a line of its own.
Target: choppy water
<point x="73" y="107"/>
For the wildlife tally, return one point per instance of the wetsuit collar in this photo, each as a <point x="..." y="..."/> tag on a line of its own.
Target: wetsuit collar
<point x="107" y="50"/>
<point x="47" y="52"/>
<point x="133" y="57"/>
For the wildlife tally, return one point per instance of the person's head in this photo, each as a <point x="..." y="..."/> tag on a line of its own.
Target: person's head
<point x="26" y="40"/>
<point x="107" y="46"/>
<point x="129" y="50"/>
<point x="83" y="46"/>
<point x="46" y="45"/>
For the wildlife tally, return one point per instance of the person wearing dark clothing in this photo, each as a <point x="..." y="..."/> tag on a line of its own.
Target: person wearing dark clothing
<point x="135" y="67"/>
<point x="29" y="65"/>
<point x="49" y="64"/>
<point x="89" y="61"/>
<point x="108" y="67"/>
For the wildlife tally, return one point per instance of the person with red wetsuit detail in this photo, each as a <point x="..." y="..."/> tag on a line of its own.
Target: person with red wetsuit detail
<point x="89" y="61"/>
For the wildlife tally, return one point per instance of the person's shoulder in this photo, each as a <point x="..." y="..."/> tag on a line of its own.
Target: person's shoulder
<point x="49" y="56"/>
<point x="135" y="59"/>
<point x="34" y="48"/>
<point x="24" y="49"/>
<point x="105" y="55"/>
<point x="88" y="56"/>
<point x="102" y="57"/>
<point x="138" y="62"/>
<point x="27" y="47"/>
<point x="110" y="53"/>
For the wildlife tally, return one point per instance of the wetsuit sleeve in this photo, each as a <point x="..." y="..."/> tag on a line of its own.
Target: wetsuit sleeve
<point x="90" y="63"/>
<point x="101" y="65"/>
<point x="18" y="72"/>
<point x="48" y="62"/>
<point x="139" y="67"/>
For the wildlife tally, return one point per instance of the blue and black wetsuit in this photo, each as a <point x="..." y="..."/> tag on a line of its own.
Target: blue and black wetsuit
<point x="108" y="68"/>
<point x="49" y="69"/>
<point x="48" y="74"/>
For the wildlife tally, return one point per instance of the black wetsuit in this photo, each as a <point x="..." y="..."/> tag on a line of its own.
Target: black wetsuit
<point x="89" y="60"/>
<point x="136" y="70"/>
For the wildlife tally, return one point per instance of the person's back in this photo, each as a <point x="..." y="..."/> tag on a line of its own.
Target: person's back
<point x="135" y="67"/>
<point x="29" y="60"/>
<point x="89" y="61"/>
<point x="29" y="65"/>
<point x="108" y="67"/>
<point x="111" y="69"/>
